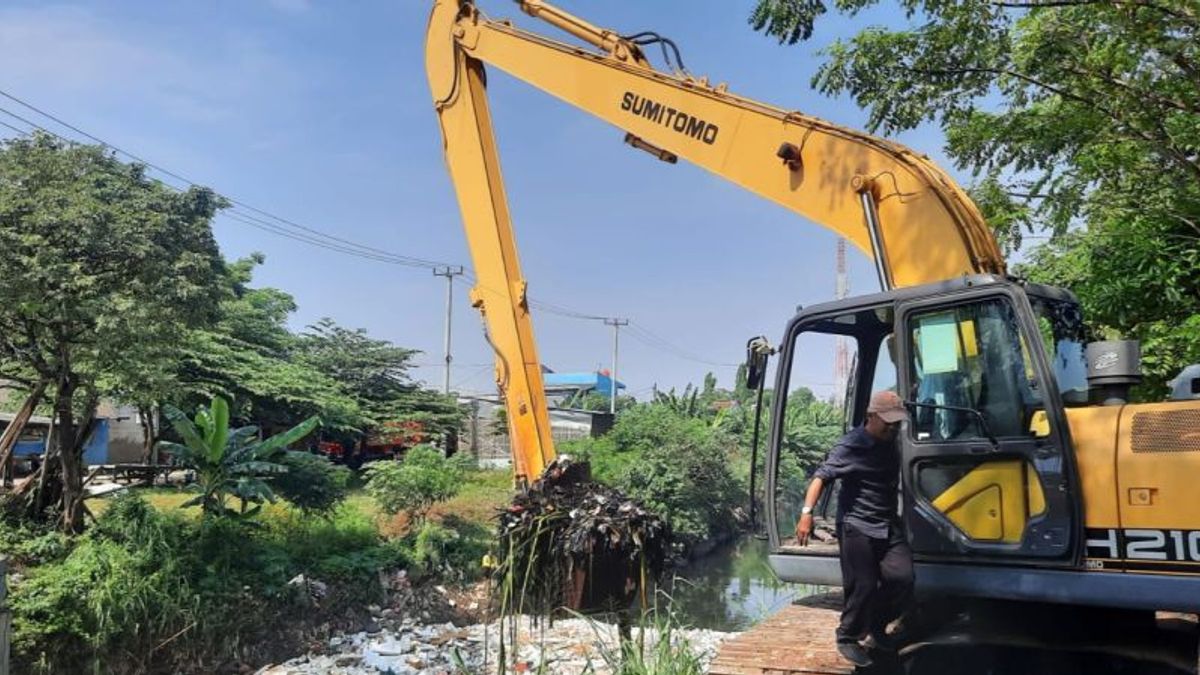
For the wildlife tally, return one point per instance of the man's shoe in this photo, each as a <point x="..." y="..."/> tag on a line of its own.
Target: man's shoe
<point x="854" y="653"/>
<point x="881" y="642"/>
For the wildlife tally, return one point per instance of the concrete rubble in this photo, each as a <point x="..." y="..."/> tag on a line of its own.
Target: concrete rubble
<point x="568" y="647"/>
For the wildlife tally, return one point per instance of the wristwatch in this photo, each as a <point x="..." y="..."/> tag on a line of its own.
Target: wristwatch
<point x="806" y="511"/>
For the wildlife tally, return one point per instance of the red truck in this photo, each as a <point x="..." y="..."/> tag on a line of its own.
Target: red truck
<point x="388" y="441"/>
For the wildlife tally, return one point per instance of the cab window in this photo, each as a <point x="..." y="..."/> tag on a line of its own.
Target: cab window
<point x="965" y="358"/>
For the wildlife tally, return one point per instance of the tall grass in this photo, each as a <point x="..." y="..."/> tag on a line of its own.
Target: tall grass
<point x="147" y="590"/>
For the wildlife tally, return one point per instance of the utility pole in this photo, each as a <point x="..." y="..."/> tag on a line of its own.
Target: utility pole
<point x="448" y="271"/>
<point x="616" y="324"/>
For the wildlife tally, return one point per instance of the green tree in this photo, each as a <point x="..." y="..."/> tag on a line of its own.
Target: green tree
<point x="249" y="356"/>
<point x="412" y="485"/>
<point x="375" y="373"/>
<point x="1073" y="116"/>
<point x="229" y="462"/>
<point x="102" y="272"/>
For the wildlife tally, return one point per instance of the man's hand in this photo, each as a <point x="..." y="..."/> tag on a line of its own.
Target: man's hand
<point x="804" y="528"/>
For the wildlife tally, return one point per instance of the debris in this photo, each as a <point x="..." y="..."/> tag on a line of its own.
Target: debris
<point x="569" y="647"/>
<point x="571" y="542"/>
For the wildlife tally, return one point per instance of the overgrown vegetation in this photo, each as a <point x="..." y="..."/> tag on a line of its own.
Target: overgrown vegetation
<point x="686" y="456"/>
<point x="154" y="587"/>
<point x="413" y="484"/>
<point x="143" y="578"/>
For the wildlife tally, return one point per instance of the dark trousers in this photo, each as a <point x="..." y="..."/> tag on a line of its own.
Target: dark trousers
<point x="877" y="581"/>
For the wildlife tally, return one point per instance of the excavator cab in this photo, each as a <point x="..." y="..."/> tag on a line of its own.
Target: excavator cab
<point x="986" y="366"/>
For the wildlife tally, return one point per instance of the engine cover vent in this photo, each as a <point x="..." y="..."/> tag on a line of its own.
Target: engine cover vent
<point x="1167" y="431"/>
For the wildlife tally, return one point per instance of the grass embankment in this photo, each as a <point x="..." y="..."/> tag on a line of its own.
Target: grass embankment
<point x="155" y="587"/>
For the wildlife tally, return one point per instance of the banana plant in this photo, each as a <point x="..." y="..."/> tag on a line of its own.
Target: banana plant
<point x="228" y="462"/>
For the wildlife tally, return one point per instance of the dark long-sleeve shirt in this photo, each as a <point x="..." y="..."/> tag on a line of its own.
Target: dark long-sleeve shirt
<point x="869" y="470"/>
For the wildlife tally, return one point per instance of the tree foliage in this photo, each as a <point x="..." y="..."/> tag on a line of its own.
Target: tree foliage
<point x="1073" y="116"/>
<point x="248" y="355"/>
<point x="351" y="381"/>
<point x="103" y="272"/>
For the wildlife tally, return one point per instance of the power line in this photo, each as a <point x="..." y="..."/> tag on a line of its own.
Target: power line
<point x="267" y="221"/>
<point x="653" y="340"/>
<point x="290" y="229"/>
<point x="287" y="223"/>
<point x="19" y="131"/>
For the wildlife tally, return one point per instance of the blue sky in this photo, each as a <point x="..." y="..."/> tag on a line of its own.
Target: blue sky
<point x="319" y="112"/>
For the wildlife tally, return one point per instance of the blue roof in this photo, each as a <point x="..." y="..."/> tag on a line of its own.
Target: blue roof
<point x="598" y="381"/>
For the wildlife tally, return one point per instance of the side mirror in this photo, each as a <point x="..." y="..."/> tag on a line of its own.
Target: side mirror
<point x="758" y="350"/>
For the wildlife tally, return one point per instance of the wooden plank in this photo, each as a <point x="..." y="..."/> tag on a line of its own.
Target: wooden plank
<point x="798" y="640"/>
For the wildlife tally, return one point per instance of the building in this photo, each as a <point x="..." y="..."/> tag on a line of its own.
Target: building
<point x="486" y="435"/>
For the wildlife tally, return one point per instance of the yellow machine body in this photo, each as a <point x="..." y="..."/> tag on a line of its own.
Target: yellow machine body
<point x="1137" y="465"/>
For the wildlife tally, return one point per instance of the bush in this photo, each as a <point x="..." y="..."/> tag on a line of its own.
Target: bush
<point x="452" y="550"/>
<point x="209" y="586"/>
<point x="32" y="543"/>
<point x="312" y="483"/>
<point x="676" y="465"/>
<point x="124" y="584"/>
<point x="690" y="486"/>
<point x="414" y="484"/>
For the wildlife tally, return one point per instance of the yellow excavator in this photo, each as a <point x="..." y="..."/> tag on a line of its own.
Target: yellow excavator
<point x="1026" y="474"/>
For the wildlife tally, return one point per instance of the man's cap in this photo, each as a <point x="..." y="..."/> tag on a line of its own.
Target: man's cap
<point x="889" y="406"/>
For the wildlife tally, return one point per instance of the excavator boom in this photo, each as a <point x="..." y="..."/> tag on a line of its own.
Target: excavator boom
<point x="892" y="203"/>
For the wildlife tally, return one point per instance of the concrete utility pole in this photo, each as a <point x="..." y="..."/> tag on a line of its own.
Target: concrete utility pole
<point x="616" y="324"/>
<point x="449" y="271"/>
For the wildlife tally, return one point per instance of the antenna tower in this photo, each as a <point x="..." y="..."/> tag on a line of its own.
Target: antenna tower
<point x="841" y="359"/>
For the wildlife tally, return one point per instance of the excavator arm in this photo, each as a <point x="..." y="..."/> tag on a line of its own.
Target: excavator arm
<point x="892" y="203"/>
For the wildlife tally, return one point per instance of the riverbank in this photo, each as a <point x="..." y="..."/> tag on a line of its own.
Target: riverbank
<point x="565" y="647"/>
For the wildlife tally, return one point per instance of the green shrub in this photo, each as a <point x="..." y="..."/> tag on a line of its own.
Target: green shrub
<point x="678" y="466"/>
<point x="123" y="584"/>
<point x="452" y="550"/>
<point x="143" y="576"/>
<point x="311" y="483"/>
<point x="414" y="484"/>
<point x="691" y="486"/>
<point x="32" y="543"/>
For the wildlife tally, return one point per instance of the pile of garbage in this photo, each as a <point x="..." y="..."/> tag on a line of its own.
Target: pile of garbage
<point x="570" y="542"/>
<point x="569" y="647"/>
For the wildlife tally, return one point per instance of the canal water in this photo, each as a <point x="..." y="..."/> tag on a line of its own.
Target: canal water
<point x="731" y="589"/>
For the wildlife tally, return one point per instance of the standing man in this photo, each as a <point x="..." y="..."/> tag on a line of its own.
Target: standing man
<point x="877" y="571"/>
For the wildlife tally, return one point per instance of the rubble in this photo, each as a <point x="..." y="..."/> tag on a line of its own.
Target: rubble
<point x="570" y="542"/>
<point x="567" y="647"/>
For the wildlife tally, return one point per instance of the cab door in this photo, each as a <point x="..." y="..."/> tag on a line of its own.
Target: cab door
<point x="986" y="469"/>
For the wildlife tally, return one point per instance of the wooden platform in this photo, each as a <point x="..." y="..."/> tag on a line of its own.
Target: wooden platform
<point x="797" y="640"/>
